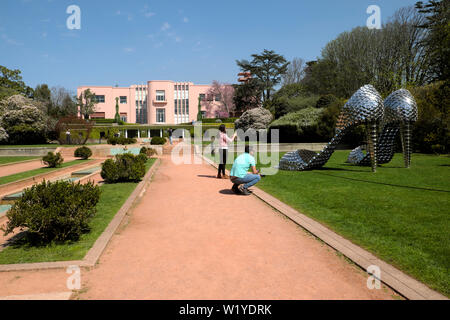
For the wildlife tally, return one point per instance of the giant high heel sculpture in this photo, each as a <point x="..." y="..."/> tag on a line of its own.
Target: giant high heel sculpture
<point x="400" y="111"/>
<point x="364" y="106"/>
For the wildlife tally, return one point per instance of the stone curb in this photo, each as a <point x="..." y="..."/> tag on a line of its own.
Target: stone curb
<point x="405" y="285"/>
<point x="92" y="256"/>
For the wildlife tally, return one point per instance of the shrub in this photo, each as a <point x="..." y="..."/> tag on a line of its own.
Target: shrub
<point x="125" y="167"/>
<point x="57" y="211"/>
<point x="83" y="152"/>
<point x="120" y="140"/>
<point x="158" y="140"/>
<point x="53" y="160"/>
<point x="148" y="151"/>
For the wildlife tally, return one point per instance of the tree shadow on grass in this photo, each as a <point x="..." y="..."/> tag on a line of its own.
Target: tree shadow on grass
<point x="383" y="183"/>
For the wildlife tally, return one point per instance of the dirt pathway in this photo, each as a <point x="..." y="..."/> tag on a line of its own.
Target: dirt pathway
<point x="190" y="238"/>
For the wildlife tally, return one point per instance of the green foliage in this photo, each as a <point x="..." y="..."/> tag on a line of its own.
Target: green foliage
<point x="124" y="168"/>
<point x="223" y="120"/>
<point x="290" y="98"/>
<point x="53" y="160"/>
<point x="54" y="211"/>
<point x="437" y="42"/>
<point x="149" y="152"/>
<point x="431" y="131"/>
<point x="299" y="126"/>
<point x="101" y="121"/>
<point x="158" y="140"/>
<point x="267" y="67"/>
<point x="120" y="140"/>
<point x="326" y="100"/>
<point x="25" y="134"/>
<point x="83" y="152"/>
<point x="247" y="95"/>
<point x="86" y="102"/>
<point x="11" y="83"/>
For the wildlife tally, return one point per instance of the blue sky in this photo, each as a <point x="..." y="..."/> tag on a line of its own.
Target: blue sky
<point x="131" y="42"/>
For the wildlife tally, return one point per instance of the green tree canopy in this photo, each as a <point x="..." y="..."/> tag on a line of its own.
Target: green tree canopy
<point x="267" y="67"/>
<point x="11" y="83"/>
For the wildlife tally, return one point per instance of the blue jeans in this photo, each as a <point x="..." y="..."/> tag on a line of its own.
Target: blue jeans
<point x="170" y="139"/>
<point x="248" y="181"/>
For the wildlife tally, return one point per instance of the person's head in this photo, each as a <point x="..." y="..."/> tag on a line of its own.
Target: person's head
<point x="222" y="128"/>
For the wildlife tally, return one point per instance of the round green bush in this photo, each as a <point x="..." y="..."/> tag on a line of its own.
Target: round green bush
<point x="56" y="211"/>
<point x="124" y="168"/>
<point x="83" y="152"/>
<point x="158" y="141"/>
<point x="149" y="152"/>
<point x="53" y="160"/>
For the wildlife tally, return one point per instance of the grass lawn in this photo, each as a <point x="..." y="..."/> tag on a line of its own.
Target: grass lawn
<point x="11" y="159"/>
<point x="401" y="215"/>
<point x="112" y="197"/>
<point x="31" y="173"/>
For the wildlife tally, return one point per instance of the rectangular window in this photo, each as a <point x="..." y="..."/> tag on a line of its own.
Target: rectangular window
<point x="100" y="99"/>
<point x="175" y="87"/>
<point x="187" y="106"/>
<point x="160" y="95"/>
<point x="209" y="97"/>
<point x="123" y="99"/>
<point x="184" y="106"/>
<point x="202" y="97"/>
<point x="137" y="104"/>
<point x="160" y="115"/>
<point x="176" y="111"/>
<point x="218" y="97"/>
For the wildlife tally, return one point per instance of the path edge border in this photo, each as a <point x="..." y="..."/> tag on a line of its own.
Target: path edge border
<point x="400" y="282"/>
<point x="94" y="253"/>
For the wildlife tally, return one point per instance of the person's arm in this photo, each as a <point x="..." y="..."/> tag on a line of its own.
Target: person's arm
<point x="254" y="170"/>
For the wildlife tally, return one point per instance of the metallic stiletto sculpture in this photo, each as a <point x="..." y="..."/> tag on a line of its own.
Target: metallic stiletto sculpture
<point x="400" y="111"/>
<point x="364" y="106"/>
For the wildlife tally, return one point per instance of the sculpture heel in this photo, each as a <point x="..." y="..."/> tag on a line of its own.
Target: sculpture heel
<point x="372" y="140"/>
<point x="406" y="143"/>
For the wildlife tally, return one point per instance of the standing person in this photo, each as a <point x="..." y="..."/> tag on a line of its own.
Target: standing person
<point x="239" y="174"/>
<point x="170" y="135"/>
<point x="224" y="140"/>
<point x="68" y="136"/>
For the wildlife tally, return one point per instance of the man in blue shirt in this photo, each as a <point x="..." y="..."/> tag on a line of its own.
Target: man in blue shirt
<point x="239" y="172"/>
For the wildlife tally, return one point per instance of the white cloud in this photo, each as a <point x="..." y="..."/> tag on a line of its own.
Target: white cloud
<point x="44" y="35"/>
<point x="149" y="14"/>
<point x="130" y="17"/>
<point x="158" y="45"/>
<point x="45" y="55"/>
<point x="185" y="20"/>
<point x="177" y="39"/>
<point x="118" y="13"/>
<point x="165" y="26"/>
<point x="128" y="50"/>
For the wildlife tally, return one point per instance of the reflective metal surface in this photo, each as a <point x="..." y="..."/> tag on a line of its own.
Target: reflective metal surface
<point x="365" y="106"/>
<point x="400" y="112"/>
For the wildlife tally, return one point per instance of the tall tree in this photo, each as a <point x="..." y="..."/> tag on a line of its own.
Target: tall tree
<point x="247" y="95"/>
<point x="11" y="83"/>
<point x="63" y="102"/>
<point x="267" y="67"/>
<point x="86" y="103"/>
<point x="295" y="72"/>
<point x="437" y="43"/>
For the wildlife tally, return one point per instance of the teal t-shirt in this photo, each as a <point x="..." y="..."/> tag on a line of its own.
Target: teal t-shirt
<point x="242" y="164"/>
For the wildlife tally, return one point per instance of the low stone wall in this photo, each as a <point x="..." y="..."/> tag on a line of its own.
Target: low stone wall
<point x="38" y="151"/>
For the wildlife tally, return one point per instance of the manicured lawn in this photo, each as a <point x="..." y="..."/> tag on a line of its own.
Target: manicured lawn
<point x="401" y="215"/>
<point x="113" y="196"/>
<point x="11" y="159"/>
<point x="31" y="173"/>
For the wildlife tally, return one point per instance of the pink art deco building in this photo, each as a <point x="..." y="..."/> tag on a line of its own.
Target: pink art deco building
<point x="157" y="102"/>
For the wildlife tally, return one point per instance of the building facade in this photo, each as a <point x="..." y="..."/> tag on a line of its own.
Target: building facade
<point x="157" y="102"/>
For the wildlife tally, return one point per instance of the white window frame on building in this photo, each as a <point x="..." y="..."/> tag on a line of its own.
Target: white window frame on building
<point x="123" y="99"/>
<point x="160" y="95"/>
<point x="160" y="115"/>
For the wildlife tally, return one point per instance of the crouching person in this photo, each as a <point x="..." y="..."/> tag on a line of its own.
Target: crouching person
<point x="239" y="172"/>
